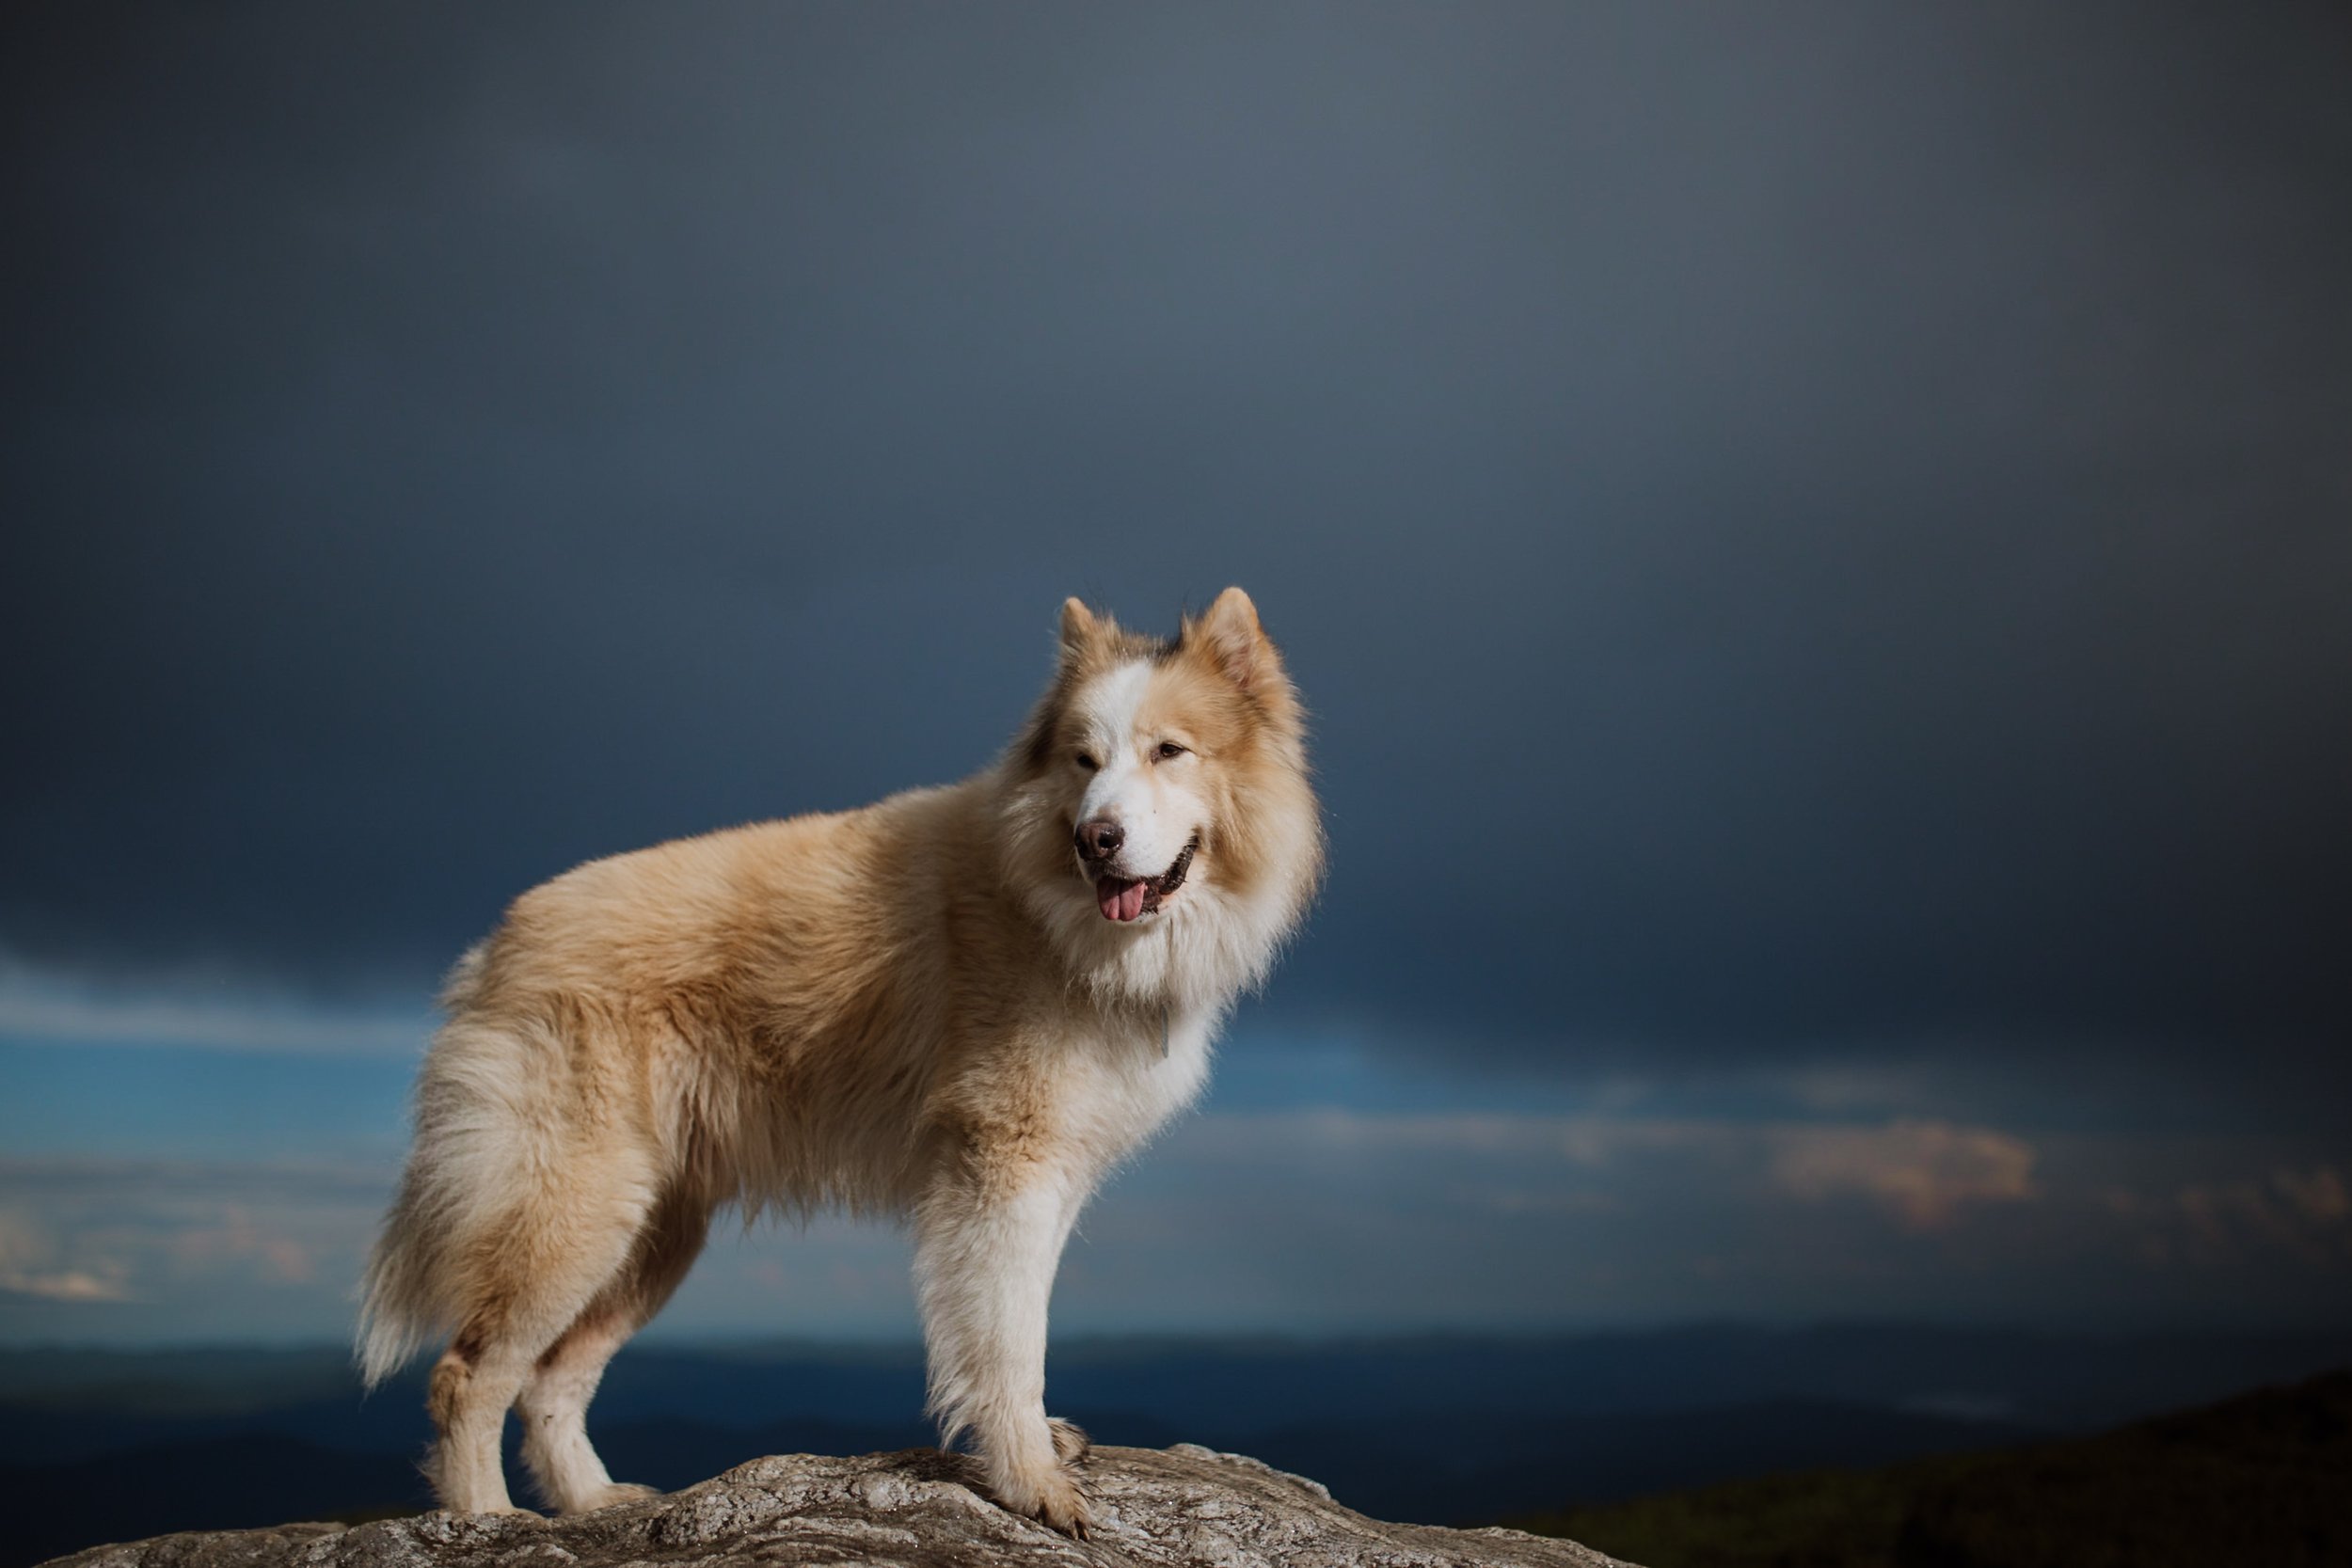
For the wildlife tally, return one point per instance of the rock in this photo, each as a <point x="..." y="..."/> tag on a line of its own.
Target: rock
<point x="1185" y="1505"/>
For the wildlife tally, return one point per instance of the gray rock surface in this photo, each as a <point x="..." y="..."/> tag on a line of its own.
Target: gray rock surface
<point x="1185" y="1505"/>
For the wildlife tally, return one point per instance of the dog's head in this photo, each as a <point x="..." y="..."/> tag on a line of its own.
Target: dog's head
<point x="1164" y="784"/>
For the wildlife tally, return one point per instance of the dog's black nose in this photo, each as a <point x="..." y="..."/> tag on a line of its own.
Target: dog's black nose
<point x="1098" y="839"/>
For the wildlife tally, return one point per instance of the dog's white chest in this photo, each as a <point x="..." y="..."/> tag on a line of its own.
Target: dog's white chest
<point x="1170" y="1082"/>
<point x="1137" y="1078"/>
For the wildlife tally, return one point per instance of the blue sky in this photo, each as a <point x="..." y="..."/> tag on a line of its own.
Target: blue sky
<point x="1814" y="540"/>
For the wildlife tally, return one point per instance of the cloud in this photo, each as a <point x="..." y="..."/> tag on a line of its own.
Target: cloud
<point x="79" y="1006"/>
<point x="278" y="1258"/>
<point x="1528" y="1219"/>
<point x="1923" y="1174"/>
<point x="2220" y="1222"/>
<point x="1925" y="1171"/>
<point x="26" y="1249"/>
<point x="183" y="1248"/>
<point x="70" y="1286"/>
<point x="2319" y="1195"/>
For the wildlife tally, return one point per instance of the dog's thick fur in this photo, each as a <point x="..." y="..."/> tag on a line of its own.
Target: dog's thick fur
<point x="951" y="1005"/>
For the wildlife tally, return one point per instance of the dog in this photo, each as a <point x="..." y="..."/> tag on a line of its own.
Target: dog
<point x="960" y="1005"/>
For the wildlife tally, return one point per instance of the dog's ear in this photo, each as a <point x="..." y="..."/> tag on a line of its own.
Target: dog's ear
<point x="1080" y="630"/>
<point x="1230" y="634"/>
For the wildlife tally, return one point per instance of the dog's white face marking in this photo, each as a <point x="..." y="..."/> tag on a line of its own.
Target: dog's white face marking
<point x="1217" y="844"/>
<point x="1151" y="798"/>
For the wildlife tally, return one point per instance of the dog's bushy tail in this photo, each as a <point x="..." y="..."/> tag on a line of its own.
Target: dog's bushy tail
<point x="398" y="1306"/>
<point x="463" y="1114"/>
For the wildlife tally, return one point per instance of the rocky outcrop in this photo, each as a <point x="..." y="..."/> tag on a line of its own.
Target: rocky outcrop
<point x="1185" y="1505"/>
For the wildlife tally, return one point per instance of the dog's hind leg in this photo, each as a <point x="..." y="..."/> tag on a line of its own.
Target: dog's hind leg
<point x="534" y="1277"/>
<point x="553" y="1408"/>
<point x="471" y="1385"/>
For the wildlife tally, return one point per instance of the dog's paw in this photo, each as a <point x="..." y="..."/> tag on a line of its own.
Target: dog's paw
<point x="1063" y="1507"/>
<point x="1051" y="1496"/>
<point x="612" y="1496"/>
<point x="1071" y="1441"/>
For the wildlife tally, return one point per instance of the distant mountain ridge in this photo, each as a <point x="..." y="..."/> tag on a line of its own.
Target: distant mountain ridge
<point x="2262" y="1479"/>
<point x="2025" y="1377"/>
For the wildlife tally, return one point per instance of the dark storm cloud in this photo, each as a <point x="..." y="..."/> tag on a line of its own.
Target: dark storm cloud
<point x="1801" y="529"/>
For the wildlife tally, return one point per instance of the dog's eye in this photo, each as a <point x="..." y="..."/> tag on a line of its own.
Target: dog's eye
<point x="1087" y="762"/>
<point x="1168" y="749"/>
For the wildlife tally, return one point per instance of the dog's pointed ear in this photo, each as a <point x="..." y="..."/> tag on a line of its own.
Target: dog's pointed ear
<point x="1230" y="634"/>
<point x="1080" y="630"/>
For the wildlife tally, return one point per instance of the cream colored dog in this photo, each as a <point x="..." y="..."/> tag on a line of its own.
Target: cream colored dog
<point x="961" y="1005"/>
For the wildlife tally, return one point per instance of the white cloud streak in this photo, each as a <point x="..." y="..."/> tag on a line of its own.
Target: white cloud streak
<point x="1925" y="1172"/>
<point x="43" y="1007"/>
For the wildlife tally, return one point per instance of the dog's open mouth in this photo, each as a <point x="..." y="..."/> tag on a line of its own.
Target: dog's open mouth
<point x="1133" y="897"/>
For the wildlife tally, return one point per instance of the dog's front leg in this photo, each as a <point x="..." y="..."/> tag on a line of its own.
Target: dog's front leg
<point x="986" y="1248"/>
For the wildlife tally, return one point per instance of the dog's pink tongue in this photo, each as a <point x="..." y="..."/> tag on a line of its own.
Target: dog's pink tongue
<point x="1119" y="900"/>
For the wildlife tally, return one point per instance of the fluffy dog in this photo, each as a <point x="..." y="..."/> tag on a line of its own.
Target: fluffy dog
<point x="962" y="1006"/>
